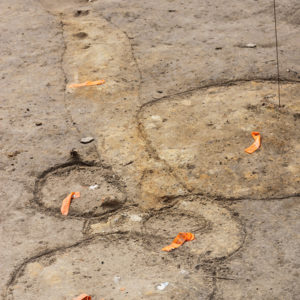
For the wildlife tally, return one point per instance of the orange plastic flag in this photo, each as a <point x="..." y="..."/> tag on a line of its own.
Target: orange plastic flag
<point x="87" y="83"/>
<point x="83" y="297"/>
<point x="181" y="238"/>
<point x="256" y="143"/>
<point x="67" y="201"/>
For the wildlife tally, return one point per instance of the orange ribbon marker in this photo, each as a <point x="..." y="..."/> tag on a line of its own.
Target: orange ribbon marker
<point x="256" y="143"/>
<point x="87" y="83"/>
<point x="83" y="297"/>
<point x="67" y="201"/>
<point x="181" y="238"/>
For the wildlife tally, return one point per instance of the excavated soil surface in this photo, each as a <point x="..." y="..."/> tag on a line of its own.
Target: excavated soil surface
<point x="202" y="137"/>
<point x="182" y="94"/>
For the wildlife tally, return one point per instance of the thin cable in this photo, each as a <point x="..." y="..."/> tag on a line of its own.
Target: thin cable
<point x="276" y="38"/>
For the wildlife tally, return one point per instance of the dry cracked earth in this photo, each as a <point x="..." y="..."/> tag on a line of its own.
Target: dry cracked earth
<point x="170" y="125"/>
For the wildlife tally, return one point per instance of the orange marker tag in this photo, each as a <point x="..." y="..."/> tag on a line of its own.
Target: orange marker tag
<point x="256" y="143"/>
<point x="83" y="297"/>
<point x="67" y="201"/>
<point x="87" y="83"/>
<point x="181" y="238"/>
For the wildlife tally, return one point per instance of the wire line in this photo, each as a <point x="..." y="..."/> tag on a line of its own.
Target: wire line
<point x="276" y="38"/>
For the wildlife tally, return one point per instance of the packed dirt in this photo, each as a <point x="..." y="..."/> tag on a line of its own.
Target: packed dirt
<point x="183" y="93"/>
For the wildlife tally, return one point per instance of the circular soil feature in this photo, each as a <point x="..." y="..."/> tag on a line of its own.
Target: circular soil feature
<point x="100" y="190"/>
<point x="217" y="233"/>
<point x="202" y="135"/>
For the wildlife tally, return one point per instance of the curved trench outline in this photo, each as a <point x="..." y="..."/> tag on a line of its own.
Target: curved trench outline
<point x="233" y="214"/>
<point x="171" y="200"/>
<point x="153" y="152"/>
<point x="186" y="254"/>
<point x="171" y="209"/>
<point x="18" y="272"/>
<point x="36" y="202"/>
<point x="141" y="130"/>
<point x="206" y="85"/>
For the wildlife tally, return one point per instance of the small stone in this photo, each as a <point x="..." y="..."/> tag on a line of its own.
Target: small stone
<point x="13" y="154"/>
<point x="93" y="187"/>
<point x="156" y="118"/>
<point x="250" y="45"/>
<point x="162" y="286"/>
<point x="184" y="272"/>
<point x="135" y="218"/>
<point x="117" y="279"/>
<point x="74" y="153"/>
<point x="81" y="35"/>
<point x="38" y="123"/>
<point x="292" y="71"/>
<point x="86" y="140"/>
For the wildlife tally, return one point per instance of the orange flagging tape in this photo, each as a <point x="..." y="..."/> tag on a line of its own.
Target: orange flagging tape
<point x="256" y="143"/>
<point x="179" y="240"/>
<point x="87" y="83"/>
<point x="83" y="297"/>
<point x="67" y="201"/>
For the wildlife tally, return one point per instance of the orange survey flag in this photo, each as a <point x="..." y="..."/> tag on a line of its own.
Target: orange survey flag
<point x="67" y="201"/>
<point x="83" y="297"/>
<point x="87" y="83"/>
<point x="179" y="240"/>
<point x="256" y="143"/>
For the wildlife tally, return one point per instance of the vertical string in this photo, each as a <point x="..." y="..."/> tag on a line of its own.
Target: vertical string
<point x="277" y="59"/>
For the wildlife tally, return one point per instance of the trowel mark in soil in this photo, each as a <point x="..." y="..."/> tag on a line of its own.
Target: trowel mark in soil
<point x="202" y="135"/>
<point x="93" y="266"/>
<point x="101" y="191"/>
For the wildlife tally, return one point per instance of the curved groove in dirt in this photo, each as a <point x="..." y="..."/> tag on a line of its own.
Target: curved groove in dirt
<point x="141" y="130"/>
<point x="18" y="270"/>
<point x="215" y="241"/>
<point x="39" y="205"/>
<point x="62" y="58"/>
<point x="147" y="239"/>
<point x="208" y="228"/>
<point x="154" y="154"/>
